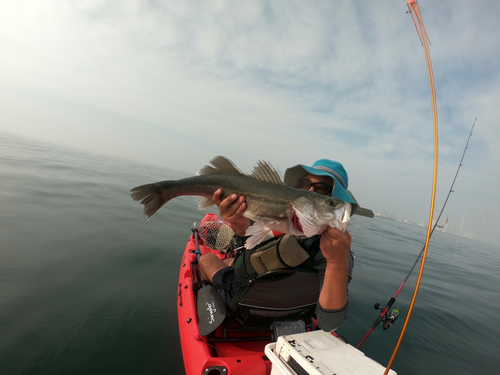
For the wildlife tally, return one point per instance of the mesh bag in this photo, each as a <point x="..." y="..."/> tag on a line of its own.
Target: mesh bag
<point x="217" y="234"/>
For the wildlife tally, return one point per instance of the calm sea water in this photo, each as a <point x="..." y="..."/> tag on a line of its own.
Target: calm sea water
<point x="88" y="286"/>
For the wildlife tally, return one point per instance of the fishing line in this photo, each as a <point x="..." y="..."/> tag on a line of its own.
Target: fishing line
<point x="384" y="313"/>
<point x="444" y="205"/>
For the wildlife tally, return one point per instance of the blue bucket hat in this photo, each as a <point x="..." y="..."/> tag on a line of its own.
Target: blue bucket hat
<point x="324" y="167"/>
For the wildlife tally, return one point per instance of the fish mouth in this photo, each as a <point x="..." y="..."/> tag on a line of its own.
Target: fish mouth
<point x="343" y="218"/>
<point x="296" y="222"/>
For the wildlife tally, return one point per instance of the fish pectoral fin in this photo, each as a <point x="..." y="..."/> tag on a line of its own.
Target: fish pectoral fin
<point x="205" y="203"/>
<point x="257" y="233"/>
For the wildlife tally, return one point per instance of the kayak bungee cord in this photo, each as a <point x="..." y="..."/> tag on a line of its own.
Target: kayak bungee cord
<point x="388" y="320"/>
<point x="417" y="19"/>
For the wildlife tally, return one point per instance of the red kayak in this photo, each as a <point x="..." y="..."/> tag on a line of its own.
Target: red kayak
<point x="238" y="352"/>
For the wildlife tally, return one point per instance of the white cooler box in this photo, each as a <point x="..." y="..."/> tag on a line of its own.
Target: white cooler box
<point x="319" y="352"/>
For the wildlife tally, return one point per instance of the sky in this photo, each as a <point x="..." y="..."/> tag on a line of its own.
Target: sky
<point x="175" y="83"/>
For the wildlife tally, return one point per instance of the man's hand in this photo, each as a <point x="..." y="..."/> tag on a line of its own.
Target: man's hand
<point x="231" y="209"/>
<point x="335" y="247"/>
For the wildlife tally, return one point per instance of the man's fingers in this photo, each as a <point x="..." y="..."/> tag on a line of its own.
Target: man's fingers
<point x="337" y="234"/>
<point x="226" y="203"/>
<point x="234" y="205"/>
<point x="241" y="209"/>
<point x="216" y="197"/>
<point x="336" y="237"/>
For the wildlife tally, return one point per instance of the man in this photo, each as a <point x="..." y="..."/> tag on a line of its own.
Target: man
<point x="334" y="261"/>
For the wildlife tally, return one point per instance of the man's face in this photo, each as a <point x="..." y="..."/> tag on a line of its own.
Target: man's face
<point x="320" y="184"/>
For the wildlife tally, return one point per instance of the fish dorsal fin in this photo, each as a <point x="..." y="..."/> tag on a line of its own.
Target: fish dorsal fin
<point x="220" y="165"/>
<point x="264" y="171"/>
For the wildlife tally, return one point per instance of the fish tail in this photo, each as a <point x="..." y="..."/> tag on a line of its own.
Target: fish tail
<point x="152" y="196"/>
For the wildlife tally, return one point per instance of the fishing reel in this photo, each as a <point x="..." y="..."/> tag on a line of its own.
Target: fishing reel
<point x="389" y="318"/>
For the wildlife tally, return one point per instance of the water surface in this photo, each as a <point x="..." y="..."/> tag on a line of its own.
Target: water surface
<point x="87" y="285"/>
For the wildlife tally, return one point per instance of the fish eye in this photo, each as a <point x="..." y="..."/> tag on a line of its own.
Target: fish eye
<point x="331" y="203"/>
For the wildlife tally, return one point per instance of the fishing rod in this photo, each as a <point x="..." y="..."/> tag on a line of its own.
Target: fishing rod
<point x="388" y="320"/>
<point x="414" y="10"/>
<point x="415" y="13"/>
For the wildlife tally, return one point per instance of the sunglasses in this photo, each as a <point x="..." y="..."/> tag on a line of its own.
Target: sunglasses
<point x="319" y="187"/>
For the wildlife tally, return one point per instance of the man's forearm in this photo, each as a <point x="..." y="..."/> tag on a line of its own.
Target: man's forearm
<point x="334" y="290"/>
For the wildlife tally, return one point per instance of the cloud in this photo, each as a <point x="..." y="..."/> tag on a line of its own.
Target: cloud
<point x="285" y="81"/>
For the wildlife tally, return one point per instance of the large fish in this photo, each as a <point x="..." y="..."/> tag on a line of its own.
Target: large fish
<point x="270" y="203"/>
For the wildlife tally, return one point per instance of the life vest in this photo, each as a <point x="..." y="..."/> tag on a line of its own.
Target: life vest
<point x="289" y="290"/>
